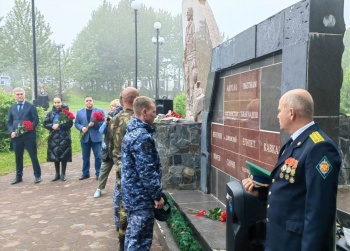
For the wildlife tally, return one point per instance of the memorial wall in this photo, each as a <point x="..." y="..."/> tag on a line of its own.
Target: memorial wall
<point x="299" y="47"/>
<point x="245" y="126"/>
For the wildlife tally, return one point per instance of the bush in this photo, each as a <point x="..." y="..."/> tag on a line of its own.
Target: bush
<point x="180" y="104"/>
<point x="6" y="100"/>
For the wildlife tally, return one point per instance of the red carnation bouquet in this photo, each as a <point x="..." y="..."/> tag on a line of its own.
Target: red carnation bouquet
<point x="25" y="126"/>
<point x="96" y="117"/>
<point x="65" y="117"/>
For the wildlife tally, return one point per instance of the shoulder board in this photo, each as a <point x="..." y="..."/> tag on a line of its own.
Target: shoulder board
<point x="316" y="137"/>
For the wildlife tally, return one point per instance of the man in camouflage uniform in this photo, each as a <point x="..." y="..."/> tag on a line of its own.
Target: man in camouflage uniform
<point x="118" y="129"/>
<point x="141" y="176"/>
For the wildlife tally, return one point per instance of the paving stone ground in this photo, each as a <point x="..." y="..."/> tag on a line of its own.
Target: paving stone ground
<point x="57" y="215"/>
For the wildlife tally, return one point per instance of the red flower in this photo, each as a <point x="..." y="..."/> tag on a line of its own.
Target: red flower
<point x="201" y="213"/>
<point x="173" y="114"/>
<point x="25" y="126"/>
<point x="98" y="117"/>
<point x="223" y="216"/>
<point x="68" y="114"/>
<point x="28" y="125"/>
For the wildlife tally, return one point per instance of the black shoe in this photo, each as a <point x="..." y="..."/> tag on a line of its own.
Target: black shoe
<point x="121" y="243"/>
<point x="37" y="180"/>
<point x="63" y="177"/>
<point x="16" y="180"/>
<point x="57" y="177"/>
<point x="83" y="177"/>
<point x="96" y="177"/>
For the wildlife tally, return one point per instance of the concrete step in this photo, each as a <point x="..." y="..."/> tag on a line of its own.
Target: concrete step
<point x="210" y="234"/>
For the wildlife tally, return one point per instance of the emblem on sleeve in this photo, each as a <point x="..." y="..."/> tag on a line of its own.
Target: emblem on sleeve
<point x="324" y="167"/>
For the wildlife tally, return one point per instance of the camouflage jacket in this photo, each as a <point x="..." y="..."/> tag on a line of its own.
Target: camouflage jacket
<point x="141" y="167"/>
<point x="117" y="131"/>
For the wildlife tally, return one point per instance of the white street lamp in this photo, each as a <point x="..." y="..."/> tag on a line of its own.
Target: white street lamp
<point x="157" y="40"/>
<point x="166" y="62"/>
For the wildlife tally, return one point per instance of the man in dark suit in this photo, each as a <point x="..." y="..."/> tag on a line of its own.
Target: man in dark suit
<point x="301" y="197"/>
<point x="19" y="112"/>
<point x="92" y="139"/>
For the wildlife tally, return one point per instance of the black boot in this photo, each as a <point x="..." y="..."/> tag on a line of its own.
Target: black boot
<point x="121" y="243"/>
<point x="63" y="173"/>
<point x="57" y="168"/>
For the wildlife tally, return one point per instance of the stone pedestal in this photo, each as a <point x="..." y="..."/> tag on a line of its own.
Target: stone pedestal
<point x="178" y="145"/>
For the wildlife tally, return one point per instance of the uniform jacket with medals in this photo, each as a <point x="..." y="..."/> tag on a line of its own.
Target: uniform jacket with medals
<point x="301" y="198"/>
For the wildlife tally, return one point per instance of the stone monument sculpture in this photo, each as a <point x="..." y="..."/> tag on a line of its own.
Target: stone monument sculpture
<point x="201" y="36"/>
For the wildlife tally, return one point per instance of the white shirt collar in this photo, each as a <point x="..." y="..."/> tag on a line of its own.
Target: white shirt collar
<point x="301" y="130"/>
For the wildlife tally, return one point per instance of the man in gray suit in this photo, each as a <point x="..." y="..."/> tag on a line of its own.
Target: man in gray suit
<point x="91" y="138"/>
<point x="23" y="111"/>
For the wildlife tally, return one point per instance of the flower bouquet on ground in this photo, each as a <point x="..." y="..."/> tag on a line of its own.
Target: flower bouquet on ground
<point x="96" y="117"/>
<point x="25" y="126"/>
<point x="65" y="117"/>
<point x="171" y="116"/>
<point x="213" y="214"/>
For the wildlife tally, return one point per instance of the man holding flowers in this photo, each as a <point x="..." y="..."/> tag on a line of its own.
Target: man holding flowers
<point x="88" y="121"/>
<point x="59" y="121"/>
<point x="21" y="122"/>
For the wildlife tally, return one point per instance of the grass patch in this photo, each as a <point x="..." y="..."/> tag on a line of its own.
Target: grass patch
<point x="76" y="102"/>
<point x="8" y="161"/>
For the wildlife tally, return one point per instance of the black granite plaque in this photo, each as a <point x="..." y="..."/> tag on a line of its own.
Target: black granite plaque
<point x="270" y="95"/>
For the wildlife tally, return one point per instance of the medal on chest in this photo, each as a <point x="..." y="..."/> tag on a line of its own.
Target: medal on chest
<point x="288" y="170"/>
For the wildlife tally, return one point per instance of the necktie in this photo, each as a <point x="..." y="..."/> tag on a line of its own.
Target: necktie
<point x="289" y="142"/>
<point x="20" y="106"/>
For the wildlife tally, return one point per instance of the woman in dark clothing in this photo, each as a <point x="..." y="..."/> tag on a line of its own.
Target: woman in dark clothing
<point x="59" y="145"/>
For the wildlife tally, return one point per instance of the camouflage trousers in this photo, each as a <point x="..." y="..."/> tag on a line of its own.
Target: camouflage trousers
<point x="116" y="200"/>
<point x="139" y="233"/>
<point x="119" y="210"/>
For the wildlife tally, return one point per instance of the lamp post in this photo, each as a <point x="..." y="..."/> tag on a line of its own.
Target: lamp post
<point x="59" y="47"/>
<point x="166" y="62"/>
<point x="157" y="40"/>
<point x="136" y="6"/>
<point x="35" y="89"/>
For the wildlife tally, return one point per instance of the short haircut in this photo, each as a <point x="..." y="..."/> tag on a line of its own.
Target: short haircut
<point x="129" y="95"/>
<point x="88" y="96"/>
<point x="304" y="106"/>
<point x="19" y="89"/>
<point x="141" y="103"/>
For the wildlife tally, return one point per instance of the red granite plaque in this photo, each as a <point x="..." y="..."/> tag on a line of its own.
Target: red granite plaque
<point x="269" y="148"/>
<point x="240" y="138"/>
<point x="232" y="113"/>
<point x="217" y="135"/>
<point x="250" y="85"/>
<point x="231" y="138"/>
<point x="217" y="158"/>
<point x="232" y="85"/>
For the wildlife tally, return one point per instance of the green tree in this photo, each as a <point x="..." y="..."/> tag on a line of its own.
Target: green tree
<point x="16" y="44"/>
<point x="103" y="55"/>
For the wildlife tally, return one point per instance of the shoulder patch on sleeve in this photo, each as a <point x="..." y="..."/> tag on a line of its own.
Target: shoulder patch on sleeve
<point x="324" y="167"/>
<point x="316" y="137"/>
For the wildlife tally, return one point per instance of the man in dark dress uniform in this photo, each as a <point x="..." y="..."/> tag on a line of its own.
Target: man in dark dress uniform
<point x="301" y="197"/>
